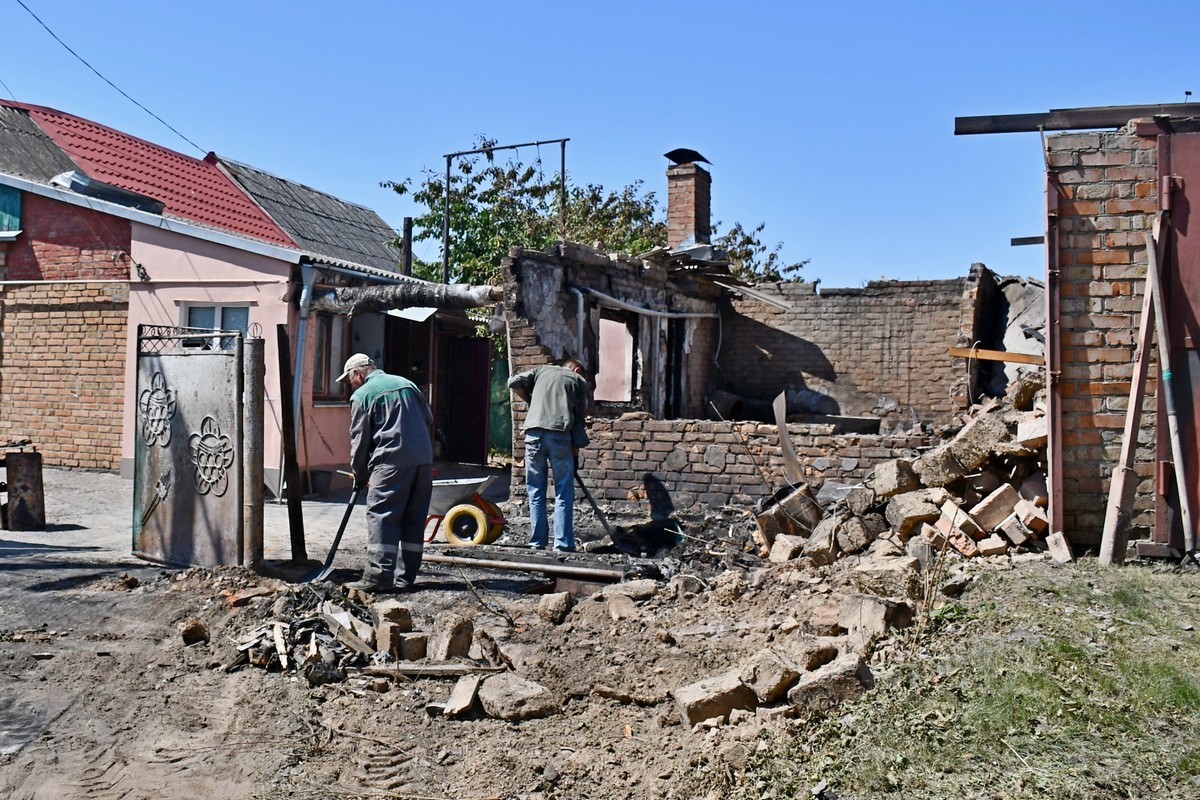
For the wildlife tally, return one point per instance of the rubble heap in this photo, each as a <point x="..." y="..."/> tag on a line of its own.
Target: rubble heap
<point x="982" y="492"/>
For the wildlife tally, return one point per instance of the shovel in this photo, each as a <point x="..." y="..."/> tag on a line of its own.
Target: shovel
<point x="328" y="566"/>
<point x="599" y="514"/>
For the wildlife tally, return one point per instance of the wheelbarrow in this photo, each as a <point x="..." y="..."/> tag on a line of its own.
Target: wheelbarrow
<point x="459" y="509"/>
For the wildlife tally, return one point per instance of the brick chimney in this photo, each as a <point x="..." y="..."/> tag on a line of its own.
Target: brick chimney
<point x="689" y="218"/>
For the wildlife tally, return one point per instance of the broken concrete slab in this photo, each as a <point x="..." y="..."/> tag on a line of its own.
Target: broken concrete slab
<point x="853" y="536"/>
<point x="938" y="467"/>
<point x="1060" y="550"/>
<point x="640" y="589"/>
<point x="1032" y="432"/>
<point x="713" y="697"/>
<point x="861" y="499"/>
<point x="994" y="545"/>
<point x="898" y="577"/>
<point x="769" y="674"/>
<point x="893" y="477"/>
<point x="905" y="512"/>
<point x="555" y="607"/>
<point x="844" y="678"/>
<point x="510" y="697"/>
<point x="864" y="616"/>
<point x="462" y="697"/>
<point x="393" y="611"/>
<point x="821" y="547"/>
<point x="452" y="638"/>
<point x="786" y="548"/>
<point x="621" y="606"/>
<point x="974" y="444"/>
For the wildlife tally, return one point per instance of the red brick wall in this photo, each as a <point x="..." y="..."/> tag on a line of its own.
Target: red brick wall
<point x="705" y="465"/>
<point x="878" y="351"/>
<point x="1106" y="202"/>
<point x="62" y="363"/>
<point x="61" y="241"/>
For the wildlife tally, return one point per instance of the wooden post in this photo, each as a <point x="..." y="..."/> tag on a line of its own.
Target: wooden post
<point x="1123" y="485"/>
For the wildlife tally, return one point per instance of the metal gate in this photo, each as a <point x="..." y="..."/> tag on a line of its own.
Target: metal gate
<point x="188" y="459"/>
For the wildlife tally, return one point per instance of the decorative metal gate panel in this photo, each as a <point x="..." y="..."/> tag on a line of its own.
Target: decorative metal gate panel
<point x="187" y="480"/>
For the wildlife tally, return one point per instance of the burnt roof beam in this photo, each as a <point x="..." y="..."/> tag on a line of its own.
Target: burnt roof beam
<point x="1068" y="119"/>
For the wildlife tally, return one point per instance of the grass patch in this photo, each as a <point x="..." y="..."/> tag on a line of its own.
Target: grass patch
<point x="1050" y="682"/>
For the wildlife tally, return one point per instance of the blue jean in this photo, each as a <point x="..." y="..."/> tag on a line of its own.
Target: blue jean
<point x="550" y="449"/>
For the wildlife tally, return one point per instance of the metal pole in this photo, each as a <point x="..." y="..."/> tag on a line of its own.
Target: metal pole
<point x="446" y="225"/>
<point x="253" y="388"/>
<point x="407" y="256"/>
<point x="562" y="190"/>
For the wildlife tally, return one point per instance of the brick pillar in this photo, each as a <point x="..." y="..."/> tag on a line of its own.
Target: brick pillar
<point x="689" y="191"/>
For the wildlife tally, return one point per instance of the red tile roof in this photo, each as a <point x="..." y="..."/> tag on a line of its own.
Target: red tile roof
<point x="190" y="188"/>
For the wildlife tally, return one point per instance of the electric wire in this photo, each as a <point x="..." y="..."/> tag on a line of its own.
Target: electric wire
<point x="106" y="80"/>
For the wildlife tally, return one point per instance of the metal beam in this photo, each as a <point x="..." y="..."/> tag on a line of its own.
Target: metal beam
<point x="1067" y="119"/>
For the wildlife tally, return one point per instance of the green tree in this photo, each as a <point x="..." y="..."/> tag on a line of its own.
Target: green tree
<point x="495" y="206"/>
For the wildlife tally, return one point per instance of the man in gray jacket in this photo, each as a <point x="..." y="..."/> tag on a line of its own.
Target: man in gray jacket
<point x="392" y="454"/>
<point x="554" y="432"/>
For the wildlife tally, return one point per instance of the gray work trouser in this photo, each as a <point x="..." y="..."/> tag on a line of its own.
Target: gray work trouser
<point x="397" y="506"/>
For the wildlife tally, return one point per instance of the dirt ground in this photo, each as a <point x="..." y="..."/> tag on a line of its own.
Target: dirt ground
<point x="102" y="699"/>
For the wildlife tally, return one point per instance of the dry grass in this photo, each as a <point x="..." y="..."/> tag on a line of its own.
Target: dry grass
<point x="1039" y="682"/>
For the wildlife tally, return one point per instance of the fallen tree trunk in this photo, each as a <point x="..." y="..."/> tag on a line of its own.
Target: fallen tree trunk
<point x="350" y="300"/>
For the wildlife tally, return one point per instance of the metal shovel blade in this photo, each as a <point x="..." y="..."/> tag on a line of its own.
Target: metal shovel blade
<point x="327" y="568"/>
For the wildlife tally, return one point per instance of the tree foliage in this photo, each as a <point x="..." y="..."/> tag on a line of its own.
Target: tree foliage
<point x="498" y="205"/>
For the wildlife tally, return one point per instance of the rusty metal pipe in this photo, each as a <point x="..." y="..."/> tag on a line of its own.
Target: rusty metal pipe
<point x="594" y="573"/>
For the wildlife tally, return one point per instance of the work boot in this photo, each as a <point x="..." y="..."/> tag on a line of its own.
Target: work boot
<point x="370" y="586"/>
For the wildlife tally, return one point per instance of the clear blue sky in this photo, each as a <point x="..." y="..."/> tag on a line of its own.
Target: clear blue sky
<point x="830" y="122"/>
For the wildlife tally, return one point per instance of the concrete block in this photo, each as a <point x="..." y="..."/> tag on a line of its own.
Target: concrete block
<point x="862" y="500"/>
<point x="853" y="536"/>
<point x="938" y="467"/>
<point x="769" y="674"/>
<point x="978" y="440"/>
<point x="555" y="607"/>
<point x="898" y="577"/>
<point x="713" y="697"/>
<point x="892" y="478"/>
<point x="786" y="548"/>
<point x="393" y="611"/>
<point x="452" y="638"/>
<point x="994" y="545"/>
<point x="844" y="678"/>
<point x="870" y="615"/>
<point x="992" y="510"/>
<point x="906" y="512"/>
<point x="510" y="697"/>
<point x="821" y="547"/>
<point x="1032" y="432"/>
<point x="413" y="646"/>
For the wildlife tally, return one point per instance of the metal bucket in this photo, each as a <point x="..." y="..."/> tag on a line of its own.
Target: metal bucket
<point x="26" y="506"/>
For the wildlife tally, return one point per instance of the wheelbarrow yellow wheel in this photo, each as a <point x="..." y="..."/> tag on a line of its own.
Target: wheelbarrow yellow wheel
<point x="494" y="517"/>
<point x="466" y="524"/>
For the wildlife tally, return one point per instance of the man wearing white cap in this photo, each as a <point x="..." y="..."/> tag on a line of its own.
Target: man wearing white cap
<point x="391" y="452"/>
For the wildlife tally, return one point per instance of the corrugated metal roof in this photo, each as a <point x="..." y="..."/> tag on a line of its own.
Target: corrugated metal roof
<point x="319" y="222"/>
<point x="26" y="150"/>
<point x="190" y="188"/>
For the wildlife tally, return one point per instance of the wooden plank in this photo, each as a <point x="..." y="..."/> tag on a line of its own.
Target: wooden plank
<point x="442" y="670"/>
<point x="979" y="354"/>
<point x="1114" y="538"/>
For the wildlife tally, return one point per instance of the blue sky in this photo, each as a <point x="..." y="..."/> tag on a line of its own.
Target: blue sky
<point x="832" y="122"/>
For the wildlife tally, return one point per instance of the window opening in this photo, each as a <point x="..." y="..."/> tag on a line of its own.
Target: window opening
<point x="616" y="373"/>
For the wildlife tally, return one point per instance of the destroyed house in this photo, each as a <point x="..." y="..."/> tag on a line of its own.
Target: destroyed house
<point x="687" y="364"/>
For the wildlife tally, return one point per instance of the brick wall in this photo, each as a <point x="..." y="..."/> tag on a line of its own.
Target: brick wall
<point x="877" y="351"/>
<point x="63" y="375"/>
<point x="62" y="359"/>
<point x="704" y="465"/>
<point x="1106" y="202"/>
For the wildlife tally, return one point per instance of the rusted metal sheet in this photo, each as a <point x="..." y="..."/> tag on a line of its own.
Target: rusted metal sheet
<point x="188" y="466"/>
<point x="1179" y="173"/>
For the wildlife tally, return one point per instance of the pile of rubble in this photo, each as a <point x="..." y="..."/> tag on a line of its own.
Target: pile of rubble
<point x="981" y="492"/>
